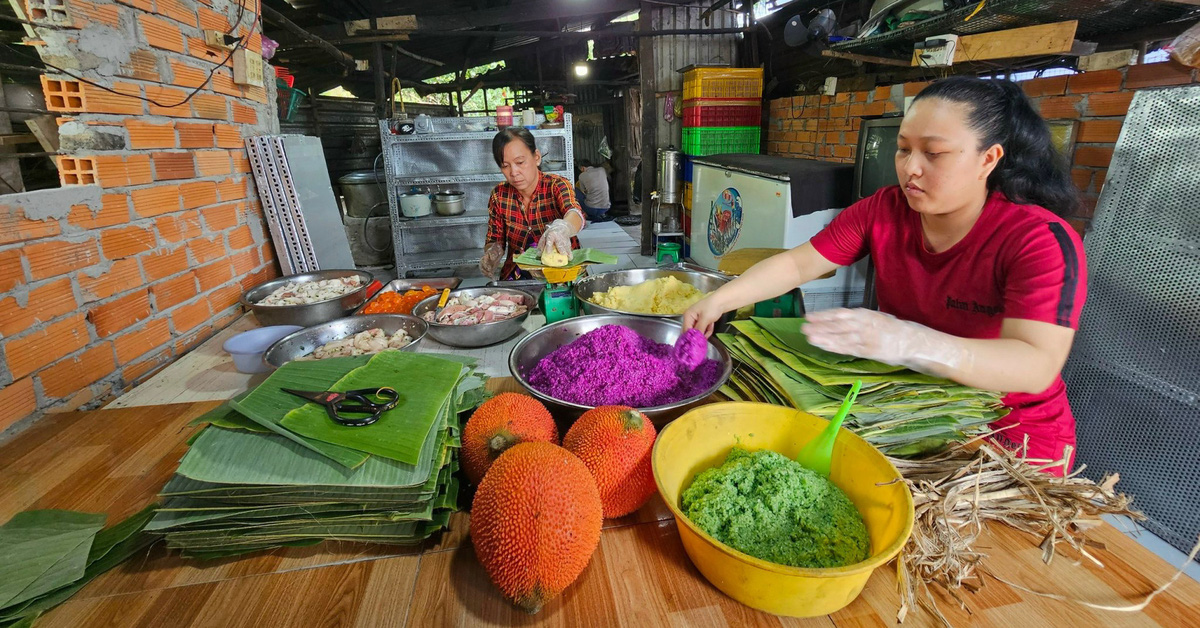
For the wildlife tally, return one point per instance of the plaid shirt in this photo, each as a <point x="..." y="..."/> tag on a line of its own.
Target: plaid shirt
<point x="519" y="229"/>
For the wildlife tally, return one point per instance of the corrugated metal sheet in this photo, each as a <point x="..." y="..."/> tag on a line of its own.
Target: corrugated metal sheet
<point x="676" y="52"/>
<point x="593" y="122"/>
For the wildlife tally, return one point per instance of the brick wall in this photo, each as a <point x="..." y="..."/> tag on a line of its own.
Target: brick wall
<point x="157" y="230"/>
<point x="826" y="127"/>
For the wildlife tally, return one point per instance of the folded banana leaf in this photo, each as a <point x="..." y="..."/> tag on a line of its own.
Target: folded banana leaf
<point x="44" y="550"/>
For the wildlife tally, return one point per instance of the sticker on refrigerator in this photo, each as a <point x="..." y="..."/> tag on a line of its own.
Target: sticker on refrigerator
<point x="724" y="221"/>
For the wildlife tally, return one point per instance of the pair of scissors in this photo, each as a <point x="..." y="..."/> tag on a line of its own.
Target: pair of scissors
<point x="340" y="404"/>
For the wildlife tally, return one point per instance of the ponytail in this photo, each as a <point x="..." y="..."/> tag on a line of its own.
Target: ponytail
<point x="1031" y="172"/>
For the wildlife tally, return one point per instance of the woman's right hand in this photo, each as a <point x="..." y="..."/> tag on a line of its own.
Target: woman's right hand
<point x="493" y="258"/>
<point x="703" y="315"/>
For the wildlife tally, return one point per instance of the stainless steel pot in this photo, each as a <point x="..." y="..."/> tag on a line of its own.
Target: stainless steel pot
<point x="480" y="335"/>
<point x="310" y="313"/>
<point x="449" y="203"/>
<point x="588" y="286"/>
<point x="414" y="204"/>
<point x="301" y="343"/>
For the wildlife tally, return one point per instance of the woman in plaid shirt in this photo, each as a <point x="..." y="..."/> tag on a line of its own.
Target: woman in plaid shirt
<point x="529" y="209"/>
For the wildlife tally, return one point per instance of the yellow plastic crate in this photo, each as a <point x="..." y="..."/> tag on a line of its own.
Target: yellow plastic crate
<point x="687" y="195"/>
<point x="710" y="83"/>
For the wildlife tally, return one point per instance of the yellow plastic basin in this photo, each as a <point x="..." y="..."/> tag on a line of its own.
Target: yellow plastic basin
<point x="701" y="439"/>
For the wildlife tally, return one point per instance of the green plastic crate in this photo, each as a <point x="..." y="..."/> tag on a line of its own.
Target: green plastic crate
<point x="701" y="141"/>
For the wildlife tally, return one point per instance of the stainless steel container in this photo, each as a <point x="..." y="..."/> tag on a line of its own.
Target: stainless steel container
<point x="670" y="172"/>
<point x="310" y="313"/>
<point x="480" y="335"/>
<point x="413" y="204"/>
<point x="587" y="287"/>
<point x="364" y="190"/>
<point x="449" y="203"/>
<point x="303" y="342"/>
<point x="537" y="345"/>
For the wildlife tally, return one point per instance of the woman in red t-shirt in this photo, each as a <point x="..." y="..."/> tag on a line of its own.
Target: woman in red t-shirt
<point x="978" y="279"/>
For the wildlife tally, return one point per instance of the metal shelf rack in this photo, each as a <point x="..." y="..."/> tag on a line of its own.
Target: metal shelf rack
<point x="457" y="154"/>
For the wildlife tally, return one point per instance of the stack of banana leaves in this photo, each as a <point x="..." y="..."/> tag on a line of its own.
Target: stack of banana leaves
<point x="272" y="470"/>
<point x="903" y="413"/>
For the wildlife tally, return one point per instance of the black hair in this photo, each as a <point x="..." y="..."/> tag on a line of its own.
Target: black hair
<point x="1031" y="172"/>
<point x="507" y="135"/>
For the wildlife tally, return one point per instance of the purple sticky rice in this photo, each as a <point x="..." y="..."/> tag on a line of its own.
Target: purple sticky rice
<point x="613" y="365"/>
<point x="690" y="349"/>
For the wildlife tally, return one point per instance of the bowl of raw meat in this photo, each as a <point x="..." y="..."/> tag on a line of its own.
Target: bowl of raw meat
<point x="476" y="317"/>
<point x="350" y="336"/>
<point x="308" y="298"/>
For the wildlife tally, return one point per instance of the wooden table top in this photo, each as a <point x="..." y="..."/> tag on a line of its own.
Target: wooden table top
<point x="115" y="461"/>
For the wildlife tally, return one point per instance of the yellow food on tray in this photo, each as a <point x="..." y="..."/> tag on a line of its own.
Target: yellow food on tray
<point x="665" y="295"/>
<point x="555" y="259"/>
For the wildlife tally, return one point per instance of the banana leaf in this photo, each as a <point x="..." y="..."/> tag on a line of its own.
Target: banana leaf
<point x="425" y="385"/>
<point x="226" y="416"/>
<point x="44" y="550"/>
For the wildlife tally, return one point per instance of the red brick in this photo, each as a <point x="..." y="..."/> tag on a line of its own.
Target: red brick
<point x="1099" y="131"/>
<point x="121" y="276"/>
<point x="75" y="373"/>
<point x="1048" y="86"/>
<point x="114" y="210"/>
<point x="243" y="114"/>
<point x="212" y="162"/>
<point x="141" y="371"/>
<point x="120" y="314"/>
<point x="1157" y="74"/>
<point x="167" y="294"/>
<point x="839" y="111"/>
<point x="241" y="238"/>
<point x="883" y="92"/>
<point x="169" y="166"/>
<point x="198" y="194"/>
<point x="171" y="102"/>
<point x="126" y="241"/>
<point x="76" y="170"/>
<point x="188" y="76"/>
<point x="134" y="344"/>
<point x="231" y="190"/>
<point x="244" y="263"/>
<point x="127" y="99"/>
<point x="1116" y="104"/>
<point x="858" y="110"/>
<point x="17" y="401"/>
<point x="228" y="136"/>
<point x="42" y="304"/>
<point x="843" y="151"/>
<point x="912" y="89"/>
<point x="221" y="217"/>
<point x="11" y="272"/>
<point x="35" y="350"/>
<point x="138" y="167"/>
<point x="1091" y="82"/>
<point x="179" y="227"/>
<point x="50" y="259"/>
<point x="86" y="13"/>
<point x="211" y="20"/>
<point x="876" y="108"/>
<point x="63" y="95"/>
<point x="205" y="250"/>
<point x="161" y="33"/>
<point x="210" y="106"/>
<point x="255" y="93"/>
<point x="214" y="274"/>
<point x="223" y="84"/>
<point x="1087" y="206"/>
<point x="143" y="65"/>
<point x="147" y="135"/>
<point x="155" y="201"/>
<point x="224" y="298"/>
<point x="196" y="135"/>
<point x="178" y="11"/>
<point x="1094" y="156"/>
<point x="1082" y="178"/>
<point x="188" y="317"/>
<point x="16" y="227"/>
<point x="1059" y="107"/>
<point x="164" y="263"/>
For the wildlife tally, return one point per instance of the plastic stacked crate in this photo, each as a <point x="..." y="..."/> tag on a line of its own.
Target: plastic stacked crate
<point x="722" y="111"/>
<point x="686" y="202"/>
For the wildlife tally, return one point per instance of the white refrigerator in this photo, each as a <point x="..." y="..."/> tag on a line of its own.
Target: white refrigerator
<point x="763" y="201"/>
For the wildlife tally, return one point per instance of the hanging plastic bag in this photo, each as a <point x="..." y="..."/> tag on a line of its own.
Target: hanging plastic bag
<point x="604" y="150"/>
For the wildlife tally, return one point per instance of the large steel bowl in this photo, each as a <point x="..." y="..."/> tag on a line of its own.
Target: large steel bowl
<point x="480" y="335"/>
<point x="303" y="342"/>
<point x="587" y="287"/>
<point x="308" y="314"/>
<point x="537" y="345"/>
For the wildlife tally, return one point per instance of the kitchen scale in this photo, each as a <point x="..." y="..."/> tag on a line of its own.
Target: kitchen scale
<point x="558" y="297"/>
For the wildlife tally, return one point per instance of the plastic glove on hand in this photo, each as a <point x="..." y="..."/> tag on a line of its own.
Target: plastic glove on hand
<point x="493" y="259"/>
<point x="883" y="337"/>
<point x="557" y="238"/>
<point x="703" y="316"/>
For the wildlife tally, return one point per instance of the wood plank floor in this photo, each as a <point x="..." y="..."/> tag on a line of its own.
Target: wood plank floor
<point x="115" y="461"/>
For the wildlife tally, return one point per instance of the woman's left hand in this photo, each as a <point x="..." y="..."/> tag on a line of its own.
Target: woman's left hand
<point x="883" y="337"/>
<point x="557" y="237"/>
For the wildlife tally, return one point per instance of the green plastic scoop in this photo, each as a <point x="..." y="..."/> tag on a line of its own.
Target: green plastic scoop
<point x="817" y="455"/>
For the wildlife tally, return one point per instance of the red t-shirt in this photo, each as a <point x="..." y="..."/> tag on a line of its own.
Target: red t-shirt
<point x="1018" y="261"/>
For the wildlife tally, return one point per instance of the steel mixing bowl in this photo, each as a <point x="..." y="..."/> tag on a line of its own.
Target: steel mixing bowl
<point x="537" y="345"/>
<point x="587" y="287"/>
<point x="303" y="342"/>
<point x="480" y="335"/>
<point x="308" y="314"/>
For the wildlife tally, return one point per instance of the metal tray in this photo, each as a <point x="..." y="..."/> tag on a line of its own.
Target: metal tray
<point x="404" y="285"/>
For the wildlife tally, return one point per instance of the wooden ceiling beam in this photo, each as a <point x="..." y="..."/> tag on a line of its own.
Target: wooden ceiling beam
<point x="512" y="14"/>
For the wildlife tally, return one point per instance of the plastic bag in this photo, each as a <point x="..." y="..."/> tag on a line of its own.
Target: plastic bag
<point x="604" y="150"/>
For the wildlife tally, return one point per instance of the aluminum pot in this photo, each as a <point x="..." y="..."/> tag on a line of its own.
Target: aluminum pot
<point x="301" y="343"/>
<point x="311" y="313"/>
<point x="537" y="345"/>
<point x="704" y="281"/>
<point x="480" y="335"/>
<point x="449" y="203"/>
<point x="414" y="204"/>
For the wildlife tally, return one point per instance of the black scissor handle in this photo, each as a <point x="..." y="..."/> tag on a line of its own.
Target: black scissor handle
<point x="359" y="402"/>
